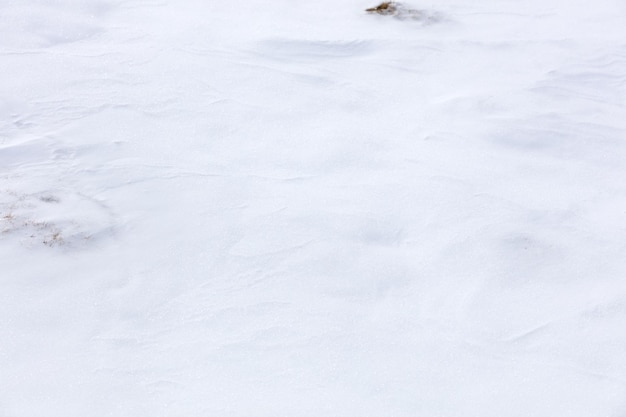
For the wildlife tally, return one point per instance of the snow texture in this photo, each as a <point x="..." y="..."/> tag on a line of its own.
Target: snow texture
<point x="288" y="208"/>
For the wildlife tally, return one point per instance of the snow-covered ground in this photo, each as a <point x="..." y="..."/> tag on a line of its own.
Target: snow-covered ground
<point x="297" y="209"/>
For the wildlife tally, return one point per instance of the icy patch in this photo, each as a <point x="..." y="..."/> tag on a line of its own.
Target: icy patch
<point x="53" y="218"/>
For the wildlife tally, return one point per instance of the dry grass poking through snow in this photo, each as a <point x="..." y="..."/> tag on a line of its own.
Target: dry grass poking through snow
<point x="53" y="219"/>
<point x="384" y="8"/>
<point x="401" y="11"/>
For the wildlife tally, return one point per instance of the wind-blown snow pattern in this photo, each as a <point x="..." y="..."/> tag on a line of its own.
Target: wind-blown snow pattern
<point x="289" y="208"/>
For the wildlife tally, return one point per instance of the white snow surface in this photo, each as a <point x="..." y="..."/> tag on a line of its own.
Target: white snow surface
<point x="298" y="209"/>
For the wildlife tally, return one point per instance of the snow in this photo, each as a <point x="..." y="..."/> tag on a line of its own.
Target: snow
<point x="301" y="209"/>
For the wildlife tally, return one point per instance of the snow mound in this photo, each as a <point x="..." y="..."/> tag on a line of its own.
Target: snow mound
<point x="47" y="24"/>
